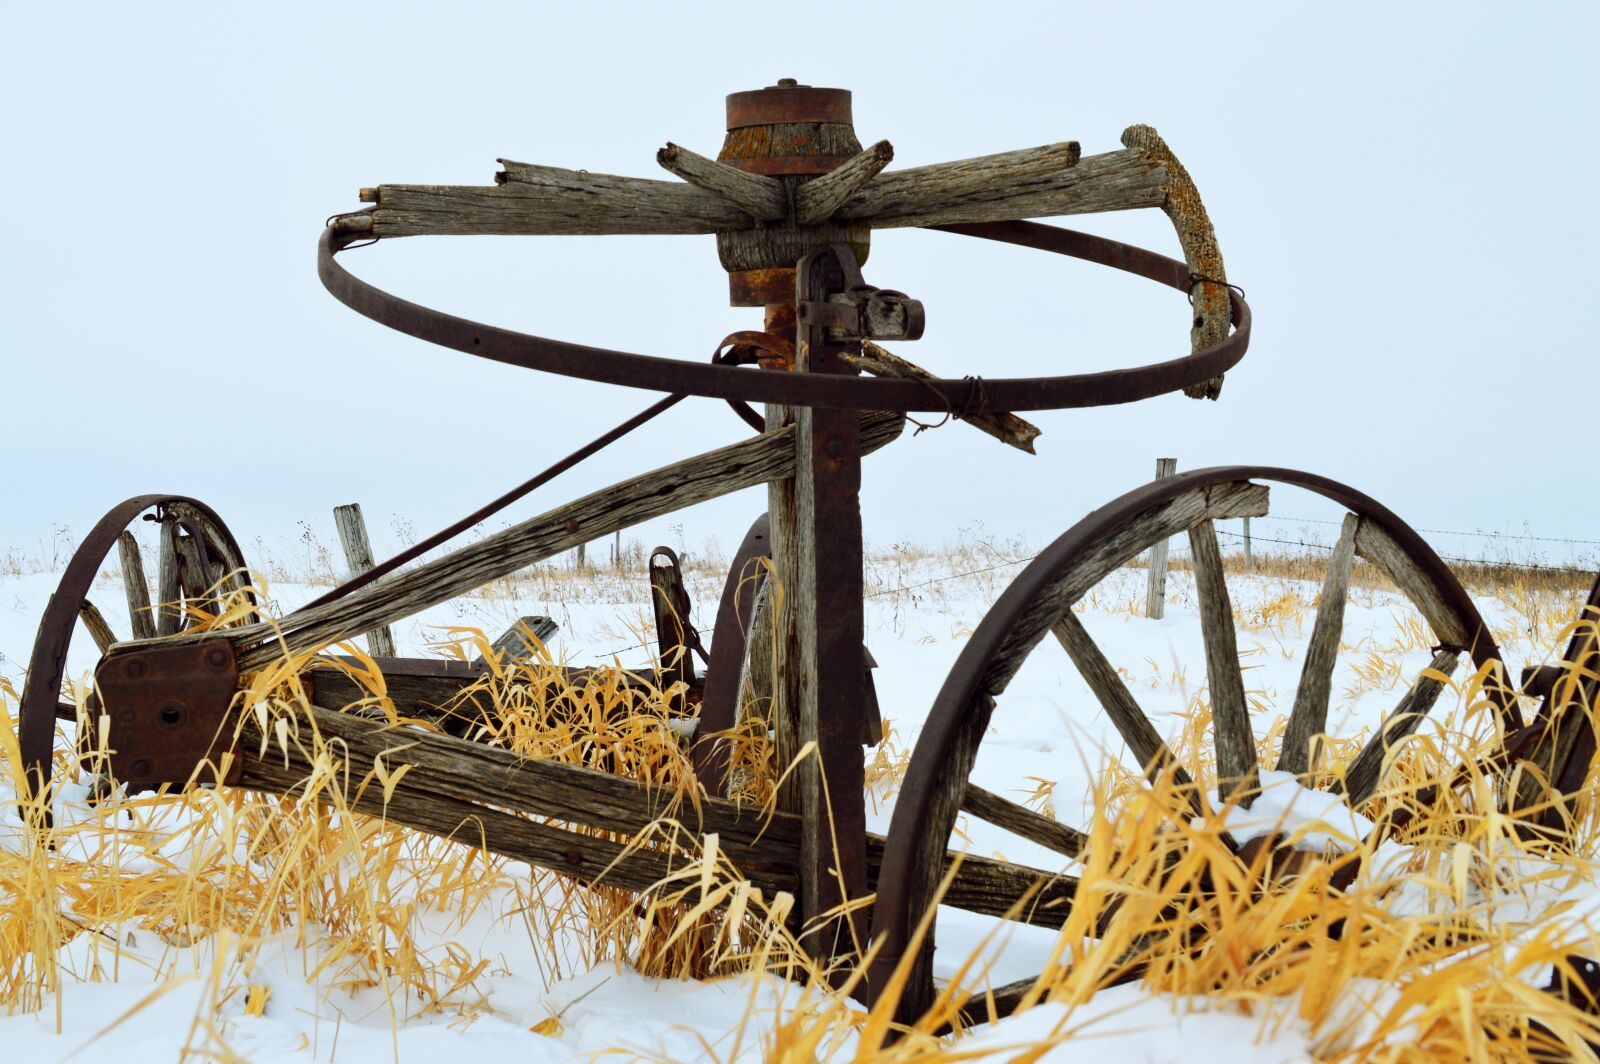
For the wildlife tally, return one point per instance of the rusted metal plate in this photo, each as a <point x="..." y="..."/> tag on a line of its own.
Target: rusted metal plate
<point x="788" y="102"/>
<point x="789" y="165"/>
<point x="758" y="288"/>
<point x="169" y="710"/>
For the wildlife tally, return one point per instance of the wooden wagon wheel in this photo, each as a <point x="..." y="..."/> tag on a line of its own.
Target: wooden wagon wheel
<point x="1040" y="601"/>
<point x="199" y="556"/>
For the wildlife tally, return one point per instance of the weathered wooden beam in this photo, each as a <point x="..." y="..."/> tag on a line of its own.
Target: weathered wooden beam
<point x="460" y="790"/>
<point x="1056" y="184"/>
<point x="1020" y="820"/>
<point x="1309" y="718"/>
<point x="761" y="197"/>
<point x="95" y="622"/>
<point x="1230" y="713"/>
<point x="1008" y="428"/>
<point x="816" y="200"/>
<point x="358" y="556"/>
<point x="136" y="587"/>
<point x="1361" y="779"/>
<point x="1149" y="749"/>
<point x="741" y="465"/>
<point x="1379" y="548"/>
<point x="550" y="200"/>
<point x="168" y="592"/>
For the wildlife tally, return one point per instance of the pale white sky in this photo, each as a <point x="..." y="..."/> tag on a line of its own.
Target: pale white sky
<point x="1401" y="189"/>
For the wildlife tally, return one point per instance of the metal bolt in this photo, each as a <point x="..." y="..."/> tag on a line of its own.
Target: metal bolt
<point x="574" y="857"/>
<point x="135" y="669"/>
<point x="787" y="83"/>
<point x="141" y="768"/>
<point x="217" y="658"/>
<point x="835" y="447"/>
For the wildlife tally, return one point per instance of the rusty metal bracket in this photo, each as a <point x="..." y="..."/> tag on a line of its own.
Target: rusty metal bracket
<point x="169" y="711"/>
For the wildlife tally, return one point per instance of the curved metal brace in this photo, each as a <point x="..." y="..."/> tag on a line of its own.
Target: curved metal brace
<point x="48" y="663"/>
<point x="825" y="390"/>
<point x="948" y="744"/>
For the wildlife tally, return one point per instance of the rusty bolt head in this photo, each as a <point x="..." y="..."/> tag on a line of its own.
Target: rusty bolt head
<point x="141" y="768"/>
<point x="135" y="669"/>
<point x="572" y="524"/>
<point x="574" y="857"/>
<point x="217" y="658"/>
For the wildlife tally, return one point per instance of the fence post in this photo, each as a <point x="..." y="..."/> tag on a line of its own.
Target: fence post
<point x="358" y="554"/>
<point x="1249" y="562"/>
<point x="1155" y="603"/>
<point x="581" y="562"/>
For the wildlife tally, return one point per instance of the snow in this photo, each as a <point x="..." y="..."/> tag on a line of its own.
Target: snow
<point x="1047" y="729"/>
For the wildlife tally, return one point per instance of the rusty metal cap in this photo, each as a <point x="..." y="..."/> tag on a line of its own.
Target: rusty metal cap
<point x="788" y="101"/>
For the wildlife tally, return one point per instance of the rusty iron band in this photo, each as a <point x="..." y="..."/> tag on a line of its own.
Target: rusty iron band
<point x="823" y="390"/>
<point x="1014" y="620"/>
<point x="47" y="666"/>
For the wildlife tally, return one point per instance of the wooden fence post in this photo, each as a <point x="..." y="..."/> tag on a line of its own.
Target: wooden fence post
<point x="358" y="554"/>
<point x="1155" y="603"/>
<point x="1249" y="562"/>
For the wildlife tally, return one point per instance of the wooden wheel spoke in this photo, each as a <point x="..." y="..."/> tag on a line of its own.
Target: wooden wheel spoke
<point x="1310" y="715"/>
<point x="95" y="622"/>
<point x="136" y="587"/>
<point x="168" y="591"/>
<point x="1361" y="779"/>
<point x="1097" y="671"/>
<point x="1020" y="820"/>
<point x="1230" y="716"/>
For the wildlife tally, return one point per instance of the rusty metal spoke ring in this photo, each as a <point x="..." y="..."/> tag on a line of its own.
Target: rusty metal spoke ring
<point x="656" y="373"/>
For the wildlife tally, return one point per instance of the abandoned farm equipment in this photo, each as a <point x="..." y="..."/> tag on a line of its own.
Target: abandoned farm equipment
<point x="792" y="200"/>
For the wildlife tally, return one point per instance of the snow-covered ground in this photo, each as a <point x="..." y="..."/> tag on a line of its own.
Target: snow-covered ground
<point x="1047" y="732"/>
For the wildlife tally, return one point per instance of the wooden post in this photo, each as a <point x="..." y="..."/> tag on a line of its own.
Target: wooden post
<point x="830" y="627"/>
<point x="136" y="587"/>
<point x="616" y="551"/>
<point x="581" y="561"/>
<point x="1249" y="562"/>
<point x="1155" y="603"/>
<point x="167" y="590"/>
<point x="358" y="553"/>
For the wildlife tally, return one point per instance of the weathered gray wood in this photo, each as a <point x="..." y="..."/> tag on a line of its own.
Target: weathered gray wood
<point x="1361" y="779"/>
<point x="1379" y="548"/>
<point x="1155" y="600"/>
<point x="520" y="641"/>
<point x="1309" y="718"/>
<point x="784" y="706"/>
<point x="459" y="790"/>
<point x="168" y="592"/>
<point x="95" y="622"/>
<point x="358" y="556"/>
<point x="816" y="200"/>
<point x="1230" y="714"/>
<point x="534" y="200"/>
<point x="136" y="587"/>
<point x="755" y="679"/>
<point x="1007" y="428"/>
<point x="964" y="184"/>
<point x="1148" y="748"/>
<point x="548" y="200"/>
<point x="763" y="198"/>
<point x="707" y="476"/>
<point x="1113" y="181"/>
<point x="196" y="576"/>
<point x="1249" y="562"/>
<point x="1020" y="820"/>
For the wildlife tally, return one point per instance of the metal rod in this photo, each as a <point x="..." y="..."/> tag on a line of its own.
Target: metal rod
<point x="495" y="506"/>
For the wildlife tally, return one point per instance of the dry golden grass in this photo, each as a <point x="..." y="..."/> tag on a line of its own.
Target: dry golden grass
<point x="1424" y="960"/>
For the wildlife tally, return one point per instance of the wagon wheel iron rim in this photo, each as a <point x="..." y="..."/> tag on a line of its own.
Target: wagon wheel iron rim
<point x="48" y="661"/>
<point x="718" y="381"/>
<point x="935" y="788"/>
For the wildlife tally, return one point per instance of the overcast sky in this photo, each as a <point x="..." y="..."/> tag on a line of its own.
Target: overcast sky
<point x="1402" y="191"/>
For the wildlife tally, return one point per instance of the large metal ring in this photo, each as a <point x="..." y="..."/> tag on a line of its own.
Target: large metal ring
<point x="826" y="390"/>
